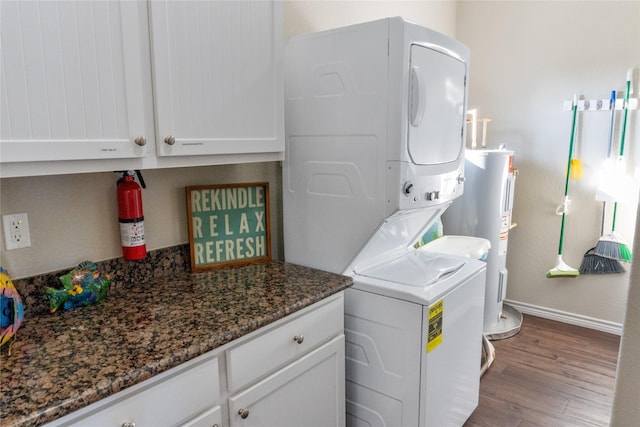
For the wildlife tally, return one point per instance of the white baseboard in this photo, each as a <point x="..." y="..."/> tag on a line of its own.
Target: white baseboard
<point x="570" y="318"/>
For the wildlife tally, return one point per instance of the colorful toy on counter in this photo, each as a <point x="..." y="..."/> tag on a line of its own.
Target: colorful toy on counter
<point x="11" y="308"/>
<point x="84" y="285"/>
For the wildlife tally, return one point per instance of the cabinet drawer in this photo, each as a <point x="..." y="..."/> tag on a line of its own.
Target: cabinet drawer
<point x="262" y="355"/>
<point x="178" y="396"/>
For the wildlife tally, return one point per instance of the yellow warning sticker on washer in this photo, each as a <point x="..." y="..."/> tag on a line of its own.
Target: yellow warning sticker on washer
<point x="435" y="326"/>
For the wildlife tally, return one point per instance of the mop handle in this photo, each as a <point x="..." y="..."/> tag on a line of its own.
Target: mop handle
<point x="622" y="138"/>
<point x="626" y="111"/>
<point x="612" y="115"/>
<point x="561" y="243"/>
<point x="566" y="183"/>
<point x="573" y="130"/>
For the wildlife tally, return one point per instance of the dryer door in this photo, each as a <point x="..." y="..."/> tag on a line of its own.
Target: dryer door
<point x="437" y="115"/>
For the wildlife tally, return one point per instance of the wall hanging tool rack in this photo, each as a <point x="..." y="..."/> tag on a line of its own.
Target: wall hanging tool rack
<point x="600" y="104"/>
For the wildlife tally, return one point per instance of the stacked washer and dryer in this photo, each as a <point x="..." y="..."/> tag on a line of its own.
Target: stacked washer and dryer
<point x="376" y="118"/>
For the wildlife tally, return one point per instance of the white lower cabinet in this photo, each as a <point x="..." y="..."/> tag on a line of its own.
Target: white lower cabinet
<point x="288" y="374"/>
<point x="169" y="399"/>
<point x="210" y="418"/>
<point x="307" y="393"/>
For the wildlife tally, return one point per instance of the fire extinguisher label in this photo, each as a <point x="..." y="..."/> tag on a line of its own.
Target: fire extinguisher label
<point x="132" y="233"/>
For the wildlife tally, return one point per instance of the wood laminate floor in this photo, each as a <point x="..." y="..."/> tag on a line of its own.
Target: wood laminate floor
<point x="549" y="374"/>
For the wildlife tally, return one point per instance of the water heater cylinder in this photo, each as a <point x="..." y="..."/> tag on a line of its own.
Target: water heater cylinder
<point x="484" y="210"/>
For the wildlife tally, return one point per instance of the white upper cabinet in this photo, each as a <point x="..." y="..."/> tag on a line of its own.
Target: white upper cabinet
<point x="71" y="81"/>
<point x="218" y="85"/>
<point x="84" y="82"/>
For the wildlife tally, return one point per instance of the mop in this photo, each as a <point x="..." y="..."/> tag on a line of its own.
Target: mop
<point x="562" y="269"/>
<point x="592" y="263"/>
<point x="612" y="245"/>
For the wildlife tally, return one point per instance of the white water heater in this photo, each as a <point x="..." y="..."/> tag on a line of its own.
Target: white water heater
<point x="484" y="210"/>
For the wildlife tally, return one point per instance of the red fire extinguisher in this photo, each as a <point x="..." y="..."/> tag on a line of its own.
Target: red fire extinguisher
<point x="131" y="217"/>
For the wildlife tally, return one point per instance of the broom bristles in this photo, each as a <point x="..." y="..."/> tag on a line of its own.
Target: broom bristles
<point x="594" y="264"/>
<point x="613" y="247"/>
<point x="607" y="249"/>
<point x="625" y="253"/>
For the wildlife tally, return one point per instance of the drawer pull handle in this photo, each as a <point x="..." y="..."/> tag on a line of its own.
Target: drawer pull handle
<point x="170" y="140"/>
<point x="244" y="413"/>
<point x="141" y="141"/>
<point x="128" y="424"/>
<point x="299" y="338"/>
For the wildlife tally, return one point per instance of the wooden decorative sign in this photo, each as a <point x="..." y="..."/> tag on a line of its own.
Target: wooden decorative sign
<point x="228" y="224"/>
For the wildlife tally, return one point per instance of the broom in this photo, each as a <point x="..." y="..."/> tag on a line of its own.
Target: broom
<point x="562" y="269"/>
<point x="612" y="245"/>
<point x="595" y="264"/>
<point x="591" y="262"/>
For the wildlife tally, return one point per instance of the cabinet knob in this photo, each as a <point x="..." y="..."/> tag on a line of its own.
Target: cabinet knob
<point x="141" y="140"/>
<point x="299" y="338"/>
<point x="244" y="413"/>
<point x="170" y="140"/>
<point x="128" y="424"/>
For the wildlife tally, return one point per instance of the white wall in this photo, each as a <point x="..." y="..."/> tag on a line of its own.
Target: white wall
<point x="526" y="59"/>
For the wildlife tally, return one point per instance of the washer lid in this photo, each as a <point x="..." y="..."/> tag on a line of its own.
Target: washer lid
<point x="414" y="268"/>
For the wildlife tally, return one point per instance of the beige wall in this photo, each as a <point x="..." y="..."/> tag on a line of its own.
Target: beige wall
<point x="526" y="59"/>
<point x="302" y="16"/>
<point x="517" y="79"/>
<point x="524" y="64"/>
<point x="73" y="218"/>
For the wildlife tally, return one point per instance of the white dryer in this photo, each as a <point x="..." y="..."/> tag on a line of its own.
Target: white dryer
<point x="375" y="120"/>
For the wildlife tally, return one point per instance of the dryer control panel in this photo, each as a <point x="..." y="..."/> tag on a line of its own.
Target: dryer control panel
<point x="408" y="189"/>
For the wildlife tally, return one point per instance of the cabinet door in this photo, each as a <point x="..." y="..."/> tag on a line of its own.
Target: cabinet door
<point x="309" y="392"/>
<point x="217" y="71"/>
<point x="210" y="418"/>
<point x="179" y="395"/>
<point x="71" y="80"/>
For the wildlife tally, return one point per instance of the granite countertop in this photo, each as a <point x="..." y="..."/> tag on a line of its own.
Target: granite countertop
<point x="64" y="361"/>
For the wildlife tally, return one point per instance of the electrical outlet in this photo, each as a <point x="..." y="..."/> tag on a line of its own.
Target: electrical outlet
<point x="16" y="231"/>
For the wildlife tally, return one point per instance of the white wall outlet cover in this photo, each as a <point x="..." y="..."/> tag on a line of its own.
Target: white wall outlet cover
<point x="16" y="231"/>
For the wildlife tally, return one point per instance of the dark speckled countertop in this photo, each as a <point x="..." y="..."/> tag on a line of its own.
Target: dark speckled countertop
<point x="64" y="361"/>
